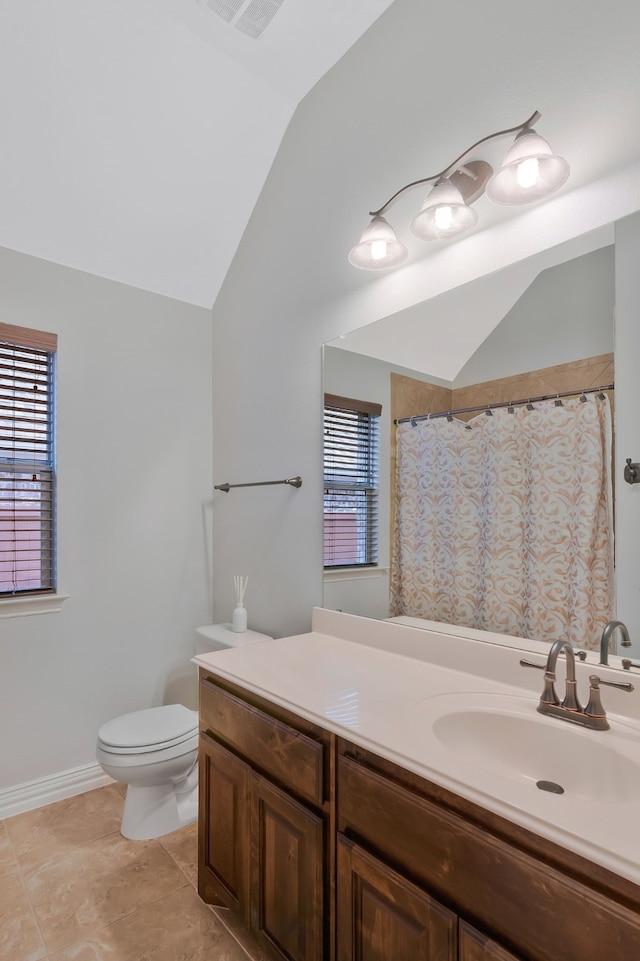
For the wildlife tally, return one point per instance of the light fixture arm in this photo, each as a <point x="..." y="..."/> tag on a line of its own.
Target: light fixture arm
<point x="535" y="116"/>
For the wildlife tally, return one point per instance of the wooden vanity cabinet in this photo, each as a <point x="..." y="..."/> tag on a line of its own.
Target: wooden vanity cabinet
<point x="516" y="896"/>
<point x="329" y="852"/>
<point x="266" y="820"/>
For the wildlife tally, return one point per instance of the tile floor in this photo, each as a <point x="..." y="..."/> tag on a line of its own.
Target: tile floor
<point x="73" y="889"/>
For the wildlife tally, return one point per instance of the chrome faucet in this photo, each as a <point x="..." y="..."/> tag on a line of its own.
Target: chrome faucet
<point x="606" y="638"/>
<point x="570" y="709"/>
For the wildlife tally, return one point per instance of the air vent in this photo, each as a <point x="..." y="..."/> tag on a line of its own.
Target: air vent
<point x="251" y="17"/>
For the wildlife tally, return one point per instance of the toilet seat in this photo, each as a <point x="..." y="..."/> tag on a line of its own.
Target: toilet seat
<point x="152" y="729"/>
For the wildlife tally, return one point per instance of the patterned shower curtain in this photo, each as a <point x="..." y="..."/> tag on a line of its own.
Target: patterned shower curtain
<point x="505" y="523"/>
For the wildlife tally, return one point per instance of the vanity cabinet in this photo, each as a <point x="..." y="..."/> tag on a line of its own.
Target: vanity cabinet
<point x="264" y="826"/>
<point x="329" y="852"/>
<point x="515" y="895"/>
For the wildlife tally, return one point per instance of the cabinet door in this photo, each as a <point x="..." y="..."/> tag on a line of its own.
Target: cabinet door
<point x="475" y="946"/>
<point x="384" y="917"/>
<point x="223" y="866"/>
<point x="286" y="873"/>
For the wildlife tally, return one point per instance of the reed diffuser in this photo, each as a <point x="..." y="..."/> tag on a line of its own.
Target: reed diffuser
<point x="239" y="618"/>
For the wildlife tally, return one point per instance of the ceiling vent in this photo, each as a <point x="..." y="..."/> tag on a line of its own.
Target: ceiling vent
<point x="251" y="17"/>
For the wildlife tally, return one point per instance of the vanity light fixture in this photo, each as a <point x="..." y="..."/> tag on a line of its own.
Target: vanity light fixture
<point x="530" y="172"/>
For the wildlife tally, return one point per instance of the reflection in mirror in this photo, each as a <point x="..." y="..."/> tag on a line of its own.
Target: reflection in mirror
<point x="541" y="328"/>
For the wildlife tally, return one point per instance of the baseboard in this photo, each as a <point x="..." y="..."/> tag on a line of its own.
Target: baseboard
<point x="55" y="787"/>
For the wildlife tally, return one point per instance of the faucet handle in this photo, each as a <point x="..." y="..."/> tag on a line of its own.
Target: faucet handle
<point x="621" y="685"/>
<point x="525" y="663"/>
<point x="549" y="695"/>
<point x="626" y="663"/>
<point x="594" y="708"/>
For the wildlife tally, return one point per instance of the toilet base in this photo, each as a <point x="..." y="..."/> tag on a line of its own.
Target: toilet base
<point x="152" y="810"/>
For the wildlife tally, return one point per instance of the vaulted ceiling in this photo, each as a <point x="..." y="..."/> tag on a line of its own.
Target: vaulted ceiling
<point x="137" y="135"/>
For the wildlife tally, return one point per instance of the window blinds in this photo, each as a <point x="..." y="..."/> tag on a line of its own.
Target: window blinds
<point x="350" y="482"/>
<point x="27" y="477"/>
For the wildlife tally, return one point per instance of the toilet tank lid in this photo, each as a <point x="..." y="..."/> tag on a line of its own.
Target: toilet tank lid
<point x="221" y="635"/>
<point x="153" y="725"/>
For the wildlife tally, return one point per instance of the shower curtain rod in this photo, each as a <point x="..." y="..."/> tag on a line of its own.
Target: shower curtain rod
<point x="504" y="403"/>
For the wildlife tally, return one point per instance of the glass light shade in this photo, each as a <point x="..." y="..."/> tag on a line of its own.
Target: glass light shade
<point x="530" y="172"/>
<point x="378" y="248"/>
<point x="444" y="214"/>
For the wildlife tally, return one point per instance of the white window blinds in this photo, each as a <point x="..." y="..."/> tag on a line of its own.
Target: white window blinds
<point x="351" y="443"/>
<point x="27" y="467"/>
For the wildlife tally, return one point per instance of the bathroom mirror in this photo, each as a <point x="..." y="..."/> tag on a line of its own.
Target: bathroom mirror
<point x="552" y="309"/>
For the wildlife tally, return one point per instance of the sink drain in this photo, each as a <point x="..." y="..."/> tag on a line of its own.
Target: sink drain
<point x="550" y="786"/>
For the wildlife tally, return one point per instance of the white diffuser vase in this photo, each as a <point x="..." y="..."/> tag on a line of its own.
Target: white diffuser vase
<point x="239" y="619"/>
<point x="239" y="616"/>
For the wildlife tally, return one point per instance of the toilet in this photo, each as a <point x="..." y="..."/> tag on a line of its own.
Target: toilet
<point x="155" y="753"/>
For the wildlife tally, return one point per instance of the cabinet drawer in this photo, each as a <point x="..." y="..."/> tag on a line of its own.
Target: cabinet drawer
<point x="271" y="746"/>
<point x="528" y="905"/>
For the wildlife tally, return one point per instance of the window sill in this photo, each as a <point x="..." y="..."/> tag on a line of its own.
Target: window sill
<point x="34" y="604"/>
<point x="354" y="573"/>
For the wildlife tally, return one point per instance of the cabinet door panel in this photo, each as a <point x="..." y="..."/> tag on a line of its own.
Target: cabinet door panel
<point x="381" y="915"/>
<point x="223" y="869"/>
<point x="286" y="873"/>
<point x="475" y="946"/>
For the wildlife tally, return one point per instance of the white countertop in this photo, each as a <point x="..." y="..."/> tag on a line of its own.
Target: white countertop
<point x="380" y="684"/>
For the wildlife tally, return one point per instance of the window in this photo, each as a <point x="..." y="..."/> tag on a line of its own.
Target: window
<point x="27" y="467"/>
<point x="351" y="444"/>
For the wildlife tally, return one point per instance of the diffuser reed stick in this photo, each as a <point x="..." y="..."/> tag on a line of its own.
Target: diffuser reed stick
<point x="240" y="583"/>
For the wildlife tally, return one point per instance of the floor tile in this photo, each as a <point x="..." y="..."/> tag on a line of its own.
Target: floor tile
<point x="52" y="830"/>
<point x="19" y="936"/>
<point x="98" y="883"/>
<point x="7" y="856"/>
<point x="182" y="845"/>
<point x="178" y="927"/>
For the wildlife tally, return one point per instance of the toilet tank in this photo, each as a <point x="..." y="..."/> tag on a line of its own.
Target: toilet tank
<point x="216" y="637"/>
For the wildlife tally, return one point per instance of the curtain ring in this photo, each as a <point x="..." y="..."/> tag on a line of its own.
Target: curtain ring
<point x="583" y="398"/>
<point x="557" y="402"/>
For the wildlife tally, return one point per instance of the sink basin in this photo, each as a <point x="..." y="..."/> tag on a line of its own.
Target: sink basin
<point x="504" y="735"/>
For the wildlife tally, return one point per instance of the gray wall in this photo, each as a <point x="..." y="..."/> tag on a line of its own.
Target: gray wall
<point x="134" y="492"/>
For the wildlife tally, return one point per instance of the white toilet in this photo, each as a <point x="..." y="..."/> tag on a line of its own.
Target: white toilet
<point x="155" y="753"/>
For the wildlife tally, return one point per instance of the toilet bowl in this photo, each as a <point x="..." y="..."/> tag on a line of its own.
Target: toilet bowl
<point x="155" y="753"/>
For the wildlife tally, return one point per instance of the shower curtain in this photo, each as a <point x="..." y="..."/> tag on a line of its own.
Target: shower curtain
<point x="505" y="523"/>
